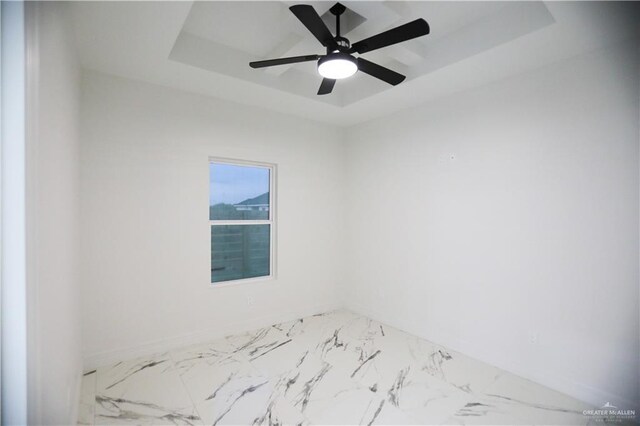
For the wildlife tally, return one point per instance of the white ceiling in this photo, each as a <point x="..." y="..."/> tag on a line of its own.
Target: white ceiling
<point x="205" y="47"/>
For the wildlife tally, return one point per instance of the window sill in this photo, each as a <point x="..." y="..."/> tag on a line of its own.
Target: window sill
<point x="242" y="281"/>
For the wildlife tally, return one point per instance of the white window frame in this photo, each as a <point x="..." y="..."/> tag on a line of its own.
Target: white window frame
<point x="271" y="221"/>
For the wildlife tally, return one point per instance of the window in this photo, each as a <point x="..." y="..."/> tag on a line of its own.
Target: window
<point x="241" y="212"/>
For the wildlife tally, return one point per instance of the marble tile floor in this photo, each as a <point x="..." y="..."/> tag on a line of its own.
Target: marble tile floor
<point x="333" y="368"/>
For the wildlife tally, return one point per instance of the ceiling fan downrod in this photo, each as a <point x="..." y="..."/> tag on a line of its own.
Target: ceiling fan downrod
<point x="343" y="44"/>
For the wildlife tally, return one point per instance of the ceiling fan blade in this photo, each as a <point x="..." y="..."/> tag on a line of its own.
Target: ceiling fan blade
<point x="405" y="32"/>
<point x="378" y="71"/>
<point x="310" y="18"/>
<point x="283" y="61"/>
<point x="326" y="86"/>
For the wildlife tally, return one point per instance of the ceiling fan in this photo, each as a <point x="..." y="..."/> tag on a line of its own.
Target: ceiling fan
<point x="339" y="61"/>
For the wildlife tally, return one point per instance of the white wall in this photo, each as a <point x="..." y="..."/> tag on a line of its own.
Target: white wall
<point x="531" y="228"/>
<point x="55" y="363"/>
<point x="145" y="230"/>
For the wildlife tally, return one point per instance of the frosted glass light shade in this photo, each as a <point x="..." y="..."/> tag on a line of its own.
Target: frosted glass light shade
<point x="337" y="65"/>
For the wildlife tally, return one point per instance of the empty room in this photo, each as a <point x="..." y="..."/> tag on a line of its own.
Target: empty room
<point x="320" y="213"/>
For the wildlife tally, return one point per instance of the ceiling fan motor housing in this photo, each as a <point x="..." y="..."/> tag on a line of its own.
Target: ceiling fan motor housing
<point x="343" y="45"/>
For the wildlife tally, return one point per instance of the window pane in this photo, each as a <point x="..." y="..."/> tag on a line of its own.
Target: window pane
<point x="238" y="192"/>
<point x="239" y="251"/>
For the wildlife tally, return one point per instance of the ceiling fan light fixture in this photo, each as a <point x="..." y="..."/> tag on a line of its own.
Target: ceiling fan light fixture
<point x="337" y="65"/>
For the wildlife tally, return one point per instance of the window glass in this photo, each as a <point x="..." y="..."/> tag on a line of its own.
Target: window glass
<point x="241" y="221"/>
<point x="240" y="251"/>
<point x="238" y="192"/>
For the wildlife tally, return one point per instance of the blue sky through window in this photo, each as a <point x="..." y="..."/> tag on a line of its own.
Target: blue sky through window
<point x="232" y="184"/>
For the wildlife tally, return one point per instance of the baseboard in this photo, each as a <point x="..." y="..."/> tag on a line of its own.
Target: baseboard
<point x="551" y="379"/>
<point x="98" y="359"/>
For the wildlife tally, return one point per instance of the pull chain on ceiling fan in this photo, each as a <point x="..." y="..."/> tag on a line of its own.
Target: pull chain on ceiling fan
<point x="339" y="61"/>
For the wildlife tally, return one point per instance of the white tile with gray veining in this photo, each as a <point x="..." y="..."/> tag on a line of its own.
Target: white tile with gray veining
<point x="333" y="368"/>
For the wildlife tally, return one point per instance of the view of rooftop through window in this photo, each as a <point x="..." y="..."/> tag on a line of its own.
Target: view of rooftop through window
<point x="238" y="192"/>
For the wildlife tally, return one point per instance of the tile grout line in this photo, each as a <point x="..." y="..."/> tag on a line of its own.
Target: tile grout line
<point x="186" y="389"/>
<point x="95" y="396"/>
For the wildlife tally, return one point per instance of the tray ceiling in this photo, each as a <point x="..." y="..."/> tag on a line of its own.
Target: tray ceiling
<point x="217" y="36"/>
<point x="205" y="47"/>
